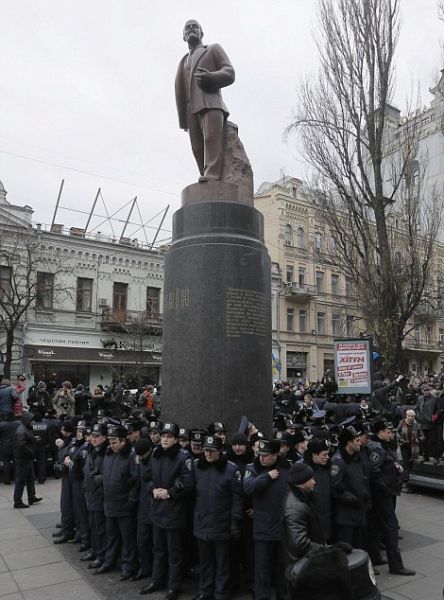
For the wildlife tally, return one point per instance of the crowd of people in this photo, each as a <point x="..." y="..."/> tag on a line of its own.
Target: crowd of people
<point x="240" y="507"/>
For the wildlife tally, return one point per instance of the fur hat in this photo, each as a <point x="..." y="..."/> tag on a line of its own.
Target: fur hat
<point x="300" y="473"/>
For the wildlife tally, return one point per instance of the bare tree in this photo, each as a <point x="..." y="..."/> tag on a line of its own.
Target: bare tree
<point x="27" y="277"/>
<point x="371" y="186"/>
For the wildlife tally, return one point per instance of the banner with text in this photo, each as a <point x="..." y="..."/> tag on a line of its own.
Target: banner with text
<point x="353" y="366"/>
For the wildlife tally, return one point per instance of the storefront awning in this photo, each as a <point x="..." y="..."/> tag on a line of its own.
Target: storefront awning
<point x="91" y="356"/>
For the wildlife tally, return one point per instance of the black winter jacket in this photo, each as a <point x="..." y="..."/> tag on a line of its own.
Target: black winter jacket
<point x="350" y="489"/>
<point x="302" y="530"/>
<point x="268" y="497"/>
<point x="170" y="469"/>
<point x="7" y="435"/>
<point x="24" y="442"/>
<point x="219" y="500"/>
<point x="93" y="477"/>
<point x="120" y="483"/>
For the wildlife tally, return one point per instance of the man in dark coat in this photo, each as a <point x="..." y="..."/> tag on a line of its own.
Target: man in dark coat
<point x="24" y="450"/>
<point x="93" y="484"/>
<point x="66" y="532"/>
<point x="301" y="525"/>
<point x="143" y="449"/>
<point x="7" y="433"/>
<point x="75" y="461"/>
<point x="121" y="496"/>
<point x="350" y="489"/>
<point x="218" y="512"/>
<point x="265" y="480"/>
<point x="385" y="481"/>
<point x="317" y="456"/>
<point x="8" y="396"/>
<point x="171" y="480"/>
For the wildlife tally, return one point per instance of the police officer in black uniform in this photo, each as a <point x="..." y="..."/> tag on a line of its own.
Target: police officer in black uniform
<point x="41" y="436"/>
<point x="93" y="484"/>
<point x="317" y="456"/>
<point x="143" y="449"/>
<point x="350" y="489"/>
<point x="121" y="497"/>
<point x="171" y="479"/>
<point x="66" y="532"/>
<point x="218" y="512"/>
<point x="265" y="480"/>
<point x="54" y="426"/>
<point x="385" y="485"/>
<point x="75" y="460"/>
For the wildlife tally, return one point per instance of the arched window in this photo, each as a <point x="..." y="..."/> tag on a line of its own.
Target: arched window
<point x="288" y="235"/>
<point x="300" y="238"/>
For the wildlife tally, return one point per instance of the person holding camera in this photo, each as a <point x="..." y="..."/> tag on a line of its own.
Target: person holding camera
<point x="64" y="401"/>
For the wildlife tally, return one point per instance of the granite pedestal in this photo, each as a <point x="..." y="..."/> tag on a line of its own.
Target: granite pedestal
<point x="217" y="312"/>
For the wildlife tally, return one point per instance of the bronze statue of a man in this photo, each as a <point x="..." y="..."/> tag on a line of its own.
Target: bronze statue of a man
<point x="202" y="112"/>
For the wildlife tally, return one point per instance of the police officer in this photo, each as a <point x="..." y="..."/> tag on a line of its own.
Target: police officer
<point x="317" y="456"/>
<point x="218" y="512"/>
<point x="350" y="489"/>
<point x="285" y="440"/>
<point x="143" y="449"/>
<point x="41" y="436"/>
<point x="121" y="496"/>
<point x="66" y="532"/>
<point x="219" y="430"/>
<point x="385" y="485"/>
<point x="75" y="460"/>
<point x="54" y="426"/>
<point x="197" y="438"/>
<point x="265" y="480"/>
<point x="184" y="438"/>
<point x="171" y="480"/>
<point x="93" y="483"/>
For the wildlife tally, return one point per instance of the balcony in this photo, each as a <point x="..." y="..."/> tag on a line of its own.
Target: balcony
<point x="132" y="321"/>
<point x="423" y="344"/>
<point x="299" y="292"/>
<point x="428" y="311"/>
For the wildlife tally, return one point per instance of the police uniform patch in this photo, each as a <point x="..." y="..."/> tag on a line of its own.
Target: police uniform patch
<point x="137" y="459"/>
<point x="84" y="453"/>
<point x="189" y="464"/>
<point x="374" y="457"/>
<point x="238" y="476"/>
<point x="334" y="470"/>
<point x="247" y="474"/>
<point x="210" y="440"/>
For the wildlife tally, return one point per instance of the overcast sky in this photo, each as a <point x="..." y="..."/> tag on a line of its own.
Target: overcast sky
<point x="87" y="94"/>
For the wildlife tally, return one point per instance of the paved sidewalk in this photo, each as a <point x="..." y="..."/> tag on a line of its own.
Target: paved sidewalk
<point x="33" y="568"/>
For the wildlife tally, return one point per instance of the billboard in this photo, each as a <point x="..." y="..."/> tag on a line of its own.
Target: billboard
<point x="353" y="366"/>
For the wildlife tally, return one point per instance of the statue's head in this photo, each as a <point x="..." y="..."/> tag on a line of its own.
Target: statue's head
<point x="192" y="32"/>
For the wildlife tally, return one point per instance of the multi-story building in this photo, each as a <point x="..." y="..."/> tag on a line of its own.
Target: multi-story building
<point x="313" y="301"/>
<point x="97" y="311"/>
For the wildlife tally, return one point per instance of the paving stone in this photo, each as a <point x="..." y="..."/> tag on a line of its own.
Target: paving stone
<point x="3" y="566"/>
<point x="32" y="558"/>
<point x="36" y="577"/>
<point x="7" y="584"/>
<point x="77" y="590"/>
<point x="17" y="532"/>
<point x="25" y="543"/>
<point x="431" y="589"/>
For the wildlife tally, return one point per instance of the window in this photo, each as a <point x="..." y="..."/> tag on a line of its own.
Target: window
<point x="288" y="235"/>
<point x="318" y="241"/>
<point x="336" y="324"/>
<point x="348" y="288"/>
<point x="441" y="337"/>
<point x="5" y="285"/>
<point x="301" y="276"/>
<point x="332" y="246"/>
<point x="300" y="238"/>
<point x="428" y="335"/>
<point x="417" y="333"/>
<point x="321" y="323"/>
<point x="289" y="273"/>
<point x="335" y="284"/>
<point x="44" y="296"/>
<point x="320" y="282"/>
<point x="84" y="294"/>
<point x="350" y="325"/>
<point x="120" y="300"/>
<point x="290" y="318"/>
<point x="152" y="301"/>
<point x="302" y="321"/>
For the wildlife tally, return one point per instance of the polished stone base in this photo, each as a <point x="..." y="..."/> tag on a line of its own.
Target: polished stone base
<point x="217" y="316"/>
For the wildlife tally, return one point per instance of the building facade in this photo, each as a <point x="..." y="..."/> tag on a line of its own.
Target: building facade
<point x="97" y="311"/>
<point x="313" y="301"/>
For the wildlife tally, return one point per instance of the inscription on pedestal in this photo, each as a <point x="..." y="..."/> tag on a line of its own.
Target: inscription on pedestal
<point x="246" y="312"/>
<point x="179" y="298"/>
